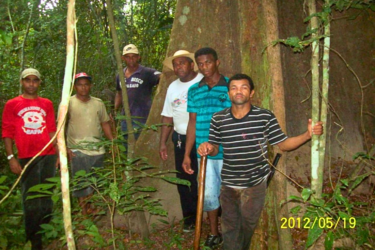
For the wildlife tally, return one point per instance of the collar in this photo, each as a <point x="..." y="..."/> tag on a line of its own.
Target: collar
<point x="221" y="82"/>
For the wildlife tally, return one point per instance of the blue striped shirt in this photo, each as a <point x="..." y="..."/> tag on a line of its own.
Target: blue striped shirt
<point x="205" y="101"/>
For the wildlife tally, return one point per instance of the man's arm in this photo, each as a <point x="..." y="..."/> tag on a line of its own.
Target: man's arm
<point x="106" y="126"/>
<point x="118" y="100"/>
<point x="165" y="132"/>
<point x="296" y="141"/>
<point x="190" y="140"/>
<point x="14" y="165"/>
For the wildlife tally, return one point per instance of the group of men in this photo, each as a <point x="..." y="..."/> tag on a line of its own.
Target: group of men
<point x="208" y="113"/>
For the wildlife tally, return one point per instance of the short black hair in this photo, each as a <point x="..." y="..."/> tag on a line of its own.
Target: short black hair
<point x="205" y="51"/>
<point x="240" y="76"/>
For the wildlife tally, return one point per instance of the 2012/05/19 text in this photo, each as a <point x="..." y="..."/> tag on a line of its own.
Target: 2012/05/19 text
<point x="321" y="222"/>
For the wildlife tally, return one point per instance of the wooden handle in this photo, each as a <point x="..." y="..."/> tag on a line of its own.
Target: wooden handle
<point x="201" y="182"/>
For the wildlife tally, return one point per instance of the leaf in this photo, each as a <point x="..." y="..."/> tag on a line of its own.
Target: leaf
<point x="3" y="178"/>
<point x="345" y="182"/>
<point x="176" y="180"/>
<point x="344" y="215"/>
<point x="328" y="243"/>
<point x="314" y="233"/>
<point x="295" y="210"/>
<point x="295" y="198"/>
<point x="358" y="180"/>
<point x="306" y="193"/>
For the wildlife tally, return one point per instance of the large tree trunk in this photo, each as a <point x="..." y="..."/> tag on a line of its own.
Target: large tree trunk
<point x="236" y="30"/>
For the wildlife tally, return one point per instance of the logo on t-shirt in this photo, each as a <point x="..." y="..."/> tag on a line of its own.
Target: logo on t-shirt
<point x="182" y="99"/>
<point x="134" y="82"/>
<point x="33" y="119"/>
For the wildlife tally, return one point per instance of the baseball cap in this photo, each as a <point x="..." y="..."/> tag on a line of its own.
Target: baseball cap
<point x="82" y="75"/>
<point x="168" y="62"/>
<point x="29" y="72"/>
<point x="130" y="49"/>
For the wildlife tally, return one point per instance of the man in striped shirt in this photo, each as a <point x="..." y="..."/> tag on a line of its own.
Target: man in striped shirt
<point x="244" y="131"/>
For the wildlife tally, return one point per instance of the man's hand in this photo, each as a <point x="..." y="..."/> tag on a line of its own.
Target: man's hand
<point x="205" y="149"/>
<point x="163" y="151"/>
<point x="15" y="166"/>
<point x="317" y="129"/>
<point x="186" y="165"/>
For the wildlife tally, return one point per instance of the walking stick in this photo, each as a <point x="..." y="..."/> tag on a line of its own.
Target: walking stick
<point x="198" y="221"/>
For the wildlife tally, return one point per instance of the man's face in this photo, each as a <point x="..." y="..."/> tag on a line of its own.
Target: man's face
<point x="239" y="92"/>
<point x="207" y="65"/>
<point x="182" y="67"/>
<point x="82" y="87"/>
<point x="131" y="60"/>
<point x="30" y="84"/>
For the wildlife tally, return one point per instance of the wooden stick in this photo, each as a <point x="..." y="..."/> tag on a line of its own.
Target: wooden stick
<point x="201" y="182"/>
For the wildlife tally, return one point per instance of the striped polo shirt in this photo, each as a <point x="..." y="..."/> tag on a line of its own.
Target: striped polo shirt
<point x="205" y="101"/>
<point x="244" y="143"/>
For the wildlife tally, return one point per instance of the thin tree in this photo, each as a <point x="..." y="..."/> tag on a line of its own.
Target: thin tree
<point x="316" y="180"/>
<point x="125" y="103"/>
<point x="71" y="27"/>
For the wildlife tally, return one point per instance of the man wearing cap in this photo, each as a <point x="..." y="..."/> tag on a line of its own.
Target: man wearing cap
<point x="29" y="121"/>
<point x="140" y="81"/>
<point x="175" y="114"/>
<point x="87" y="120"/>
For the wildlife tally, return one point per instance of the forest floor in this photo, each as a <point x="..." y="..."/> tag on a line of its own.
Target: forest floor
<point x="170" y="236"/>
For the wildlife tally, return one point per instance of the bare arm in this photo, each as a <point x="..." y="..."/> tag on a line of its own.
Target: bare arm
<point x="190" y="140"/>
<point x="165" y="132"/>
<point x="106" y="126"/>
<point x="118" y="100"/>
<point x="296" y="141"/>
<point x="14" y="165"/>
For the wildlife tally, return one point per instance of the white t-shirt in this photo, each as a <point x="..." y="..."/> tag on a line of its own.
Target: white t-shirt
<point x="175" y="104"/>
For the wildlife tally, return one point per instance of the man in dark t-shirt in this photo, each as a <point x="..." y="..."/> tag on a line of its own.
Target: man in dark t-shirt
<point x="140" y="81"/>
<point x="244" y="131"/>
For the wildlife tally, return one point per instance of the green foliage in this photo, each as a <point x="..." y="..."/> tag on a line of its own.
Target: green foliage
<point x="338" y="215"/>
<point x="12" y="227"/>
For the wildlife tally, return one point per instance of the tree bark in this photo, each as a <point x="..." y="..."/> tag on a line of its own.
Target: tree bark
<point x="63" y="109"/>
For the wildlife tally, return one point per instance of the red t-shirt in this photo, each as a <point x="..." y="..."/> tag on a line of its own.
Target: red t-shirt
<point x="28" y="122"/>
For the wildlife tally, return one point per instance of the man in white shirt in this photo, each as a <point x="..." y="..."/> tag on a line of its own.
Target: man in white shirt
<point x="176" y="117"/>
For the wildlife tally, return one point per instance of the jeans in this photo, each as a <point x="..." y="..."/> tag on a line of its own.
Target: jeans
<point x="212" y="185"/>
<point x="241" y="209"/>
<point x="188" y="195"/>
<point x="85" y="162"/>
<point x="37" y="211"/>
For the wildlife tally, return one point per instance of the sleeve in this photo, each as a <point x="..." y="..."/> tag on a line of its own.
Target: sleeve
<point x="154" y="77"/>
<point x="167" y="108"/>
<point x="118" y="85"/>
<point x="50" y="118"/>
<point x="273" y="131"/>
<point x="7" y="126"/>
<point x="103" y="115"/>
<point x="191" y="105"/>
<point x="214" y="136"/>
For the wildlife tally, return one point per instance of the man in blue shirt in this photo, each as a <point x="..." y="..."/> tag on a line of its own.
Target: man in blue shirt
<point x="140" y="81"/>
<point x="206" y="97"/>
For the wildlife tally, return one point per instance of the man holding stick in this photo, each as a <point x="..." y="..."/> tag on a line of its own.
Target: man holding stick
<point x="244" y="131"/>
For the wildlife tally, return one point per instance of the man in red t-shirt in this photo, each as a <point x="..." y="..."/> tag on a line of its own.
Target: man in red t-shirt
<point x="29" y="121"/>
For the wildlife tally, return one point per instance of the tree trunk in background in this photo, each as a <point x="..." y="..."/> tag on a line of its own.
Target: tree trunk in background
<point x="239" y="31"/>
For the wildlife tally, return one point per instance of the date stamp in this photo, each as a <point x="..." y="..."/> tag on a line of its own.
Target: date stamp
<point x="320" y="222"/>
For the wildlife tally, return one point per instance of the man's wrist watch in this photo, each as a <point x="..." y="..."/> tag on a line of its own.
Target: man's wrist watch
<point x="9" y="157"/>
